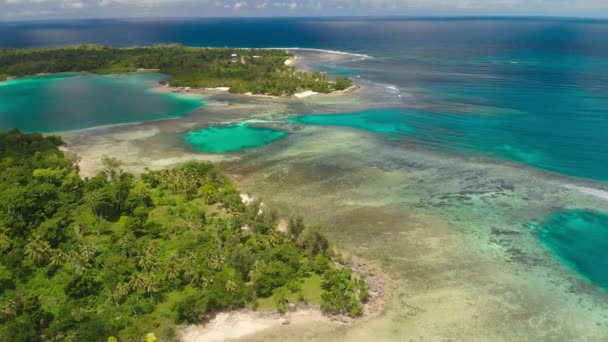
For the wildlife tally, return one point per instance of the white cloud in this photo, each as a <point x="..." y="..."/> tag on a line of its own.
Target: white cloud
<point x="14" y="9"/>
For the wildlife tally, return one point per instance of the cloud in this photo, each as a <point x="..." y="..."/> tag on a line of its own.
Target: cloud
<point x="24" y="9"/>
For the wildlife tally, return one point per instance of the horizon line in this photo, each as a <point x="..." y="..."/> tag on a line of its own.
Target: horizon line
<point x="317" y="17"/>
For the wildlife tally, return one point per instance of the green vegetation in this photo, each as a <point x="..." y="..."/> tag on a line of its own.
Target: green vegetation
<point x="129" y="258"/>
<point x="257" y="71"/>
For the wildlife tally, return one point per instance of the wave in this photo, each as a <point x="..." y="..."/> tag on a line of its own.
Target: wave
<point x="392" y="87"/>
<point x="599" y="193"/>
<point x="337" y="52"/>
<point x="108" y="126"/>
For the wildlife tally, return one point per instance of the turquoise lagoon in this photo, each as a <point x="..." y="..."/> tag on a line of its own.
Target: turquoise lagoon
<point x="232" y="138"/>
<point x="571" y="145"/>
<point x="580" y="240"/>
<point x="75" y="101"/>
<point x="387" y="122"/>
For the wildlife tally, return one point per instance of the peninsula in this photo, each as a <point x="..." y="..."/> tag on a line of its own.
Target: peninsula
<point x="255" y="71"/>
<point x="115" y="256"/>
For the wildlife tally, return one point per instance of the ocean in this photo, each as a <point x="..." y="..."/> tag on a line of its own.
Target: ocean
<point x="455" y="169"/>
<point x="531" y="90"/>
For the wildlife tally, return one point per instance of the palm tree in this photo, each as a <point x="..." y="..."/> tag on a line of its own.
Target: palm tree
<point x="230" y="286"/>
<point x="87" y="251"/>
<point x="257" y="270"/>
<point x="172" y="272"/>
<point x="136" y="282"/>
<point x="149" y="285"/>
<point x="124" y="243"/>
<point x="207" y="282"/>
<point x="37" y="250"/>
<point x="188" y="266"/>
<point x="123" y="289"/>
<point x="215" y="262"/>
<point x="111" y="167"/>
<point x="58" y="257"/>
<point x="9" y="309"/>
<point x="274" y="238"/>
<point x="91" y="198"/>
<point x="142" y="194"/>
<point x="147" y="262"/>
<point x="153" y="247"/>
<point x="172" y="269"/>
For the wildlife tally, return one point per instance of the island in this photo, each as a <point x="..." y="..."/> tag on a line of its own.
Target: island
<point x="255" y="71"/>
<point x="116" y="257"/>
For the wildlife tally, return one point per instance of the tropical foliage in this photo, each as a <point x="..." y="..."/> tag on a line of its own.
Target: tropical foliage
<point x="259" y="71"/>
<point x="121" y="257"/>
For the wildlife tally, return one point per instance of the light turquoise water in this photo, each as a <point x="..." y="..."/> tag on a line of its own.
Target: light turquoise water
<point x="339" y="70"/>
<point x="580" y="239"/>
<point x="387" y="122"/>
<point x="75" y="101"/>
<point x="570" y="144"/>
<point x="232" y="138"/>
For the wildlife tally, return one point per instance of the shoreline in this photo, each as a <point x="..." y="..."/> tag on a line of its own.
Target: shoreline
<point x="244" y="323"/>
<point x="221" y="90"/>
<point x="226" y="90"/>
<point x="167" y="88"/>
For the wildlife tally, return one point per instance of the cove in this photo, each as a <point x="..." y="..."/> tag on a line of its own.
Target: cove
<point x="76" y="101"/>
<point x="580" y="240"/>
<point x="232" y="138"/>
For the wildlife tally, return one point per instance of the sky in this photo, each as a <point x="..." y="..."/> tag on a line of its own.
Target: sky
<point x="51" y="9"/>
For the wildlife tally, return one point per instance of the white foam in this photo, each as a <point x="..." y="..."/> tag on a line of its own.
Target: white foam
<point x="392" y="87"/>
<point x="599" y="193"/>
<point x="337" y="52"/>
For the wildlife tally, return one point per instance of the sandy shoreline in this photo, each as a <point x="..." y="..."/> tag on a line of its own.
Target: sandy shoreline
<point x="293" y="61"/>
<point x="240" y="324"/>
<point x="216" y="90"/>
<point x="244" y="323"/>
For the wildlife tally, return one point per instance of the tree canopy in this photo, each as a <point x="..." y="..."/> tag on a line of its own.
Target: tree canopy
<point x="259" y="71"/>
<point x="122" y="256"/>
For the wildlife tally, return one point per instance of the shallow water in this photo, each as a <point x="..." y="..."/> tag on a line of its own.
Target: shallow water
<point x="580" y="239"/>
<point x="232" y="138"/>
<point x="540" y="142"/>
<point x="387" y="122"/>
<point x="74" y="101"/>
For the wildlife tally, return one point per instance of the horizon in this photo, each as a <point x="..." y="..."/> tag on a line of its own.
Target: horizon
<point x="35" y="10"/>
<point x="315" y="17"/>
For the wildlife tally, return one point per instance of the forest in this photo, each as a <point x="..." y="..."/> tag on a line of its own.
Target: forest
<point x="117" y="257"/>
<point x="258" y="71"/>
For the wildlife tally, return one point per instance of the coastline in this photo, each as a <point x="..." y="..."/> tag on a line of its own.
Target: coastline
<point x="241" y="324"/>
<point x="294" y="62"/>
<point x="218" y="90"/>
<point x="454" y="276"/>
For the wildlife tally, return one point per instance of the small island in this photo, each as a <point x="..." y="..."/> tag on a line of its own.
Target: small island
<point x="116" y="256"/>
<point x="255" y="71"/>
